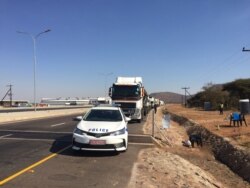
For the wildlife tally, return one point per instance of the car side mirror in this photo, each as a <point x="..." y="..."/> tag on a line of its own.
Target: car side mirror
<point x="110" y="91"/>
<point x="77" y="118"/>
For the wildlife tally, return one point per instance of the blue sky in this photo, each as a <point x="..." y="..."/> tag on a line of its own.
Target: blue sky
<point x="170" y="43"/>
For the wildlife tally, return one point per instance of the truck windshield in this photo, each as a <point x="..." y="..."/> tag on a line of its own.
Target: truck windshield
<point x="126" y="91"/>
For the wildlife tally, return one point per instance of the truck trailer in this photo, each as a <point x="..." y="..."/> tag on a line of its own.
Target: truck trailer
<point x="130" y="95"/>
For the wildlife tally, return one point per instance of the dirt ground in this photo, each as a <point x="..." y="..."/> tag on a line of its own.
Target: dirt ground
<point x="216" y="123"/>
<point x="174" y="165"/>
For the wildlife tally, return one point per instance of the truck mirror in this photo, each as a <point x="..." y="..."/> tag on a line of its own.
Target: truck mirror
<point x="110" y="91"/>
<point x="142" y="92"/>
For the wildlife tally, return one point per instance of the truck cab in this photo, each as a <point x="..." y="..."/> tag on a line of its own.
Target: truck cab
<point x="129" y="93"/>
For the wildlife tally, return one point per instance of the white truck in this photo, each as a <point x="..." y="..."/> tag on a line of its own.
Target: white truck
<point x="130" y="95"/>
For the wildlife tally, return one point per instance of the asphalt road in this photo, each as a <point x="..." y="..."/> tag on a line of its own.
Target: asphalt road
<point x="37" y="154"/>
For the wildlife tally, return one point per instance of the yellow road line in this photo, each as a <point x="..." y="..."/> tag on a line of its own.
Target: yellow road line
<point x="2" y="182"/>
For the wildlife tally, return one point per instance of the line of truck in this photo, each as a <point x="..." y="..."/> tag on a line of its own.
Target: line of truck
<point x="130" y="94"/>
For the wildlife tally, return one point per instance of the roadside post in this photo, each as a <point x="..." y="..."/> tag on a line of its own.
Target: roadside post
<point x="153" y="122"/>
<point x="166" y="121"/>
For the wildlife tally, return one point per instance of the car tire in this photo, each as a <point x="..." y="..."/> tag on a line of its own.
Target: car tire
<point x="75" y="152"/>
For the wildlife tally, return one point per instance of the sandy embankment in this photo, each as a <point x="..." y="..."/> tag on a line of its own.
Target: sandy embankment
<point x="174" y="165"/>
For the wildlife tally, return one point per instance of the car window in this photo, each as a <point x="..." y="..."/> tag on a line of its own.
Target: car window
<point x="103" y="115"/>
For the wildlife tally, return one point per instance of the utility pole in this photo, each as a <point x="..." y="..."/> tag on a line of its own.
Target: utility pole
<point x="186" y="91"/>
<point x="34" y="39"/>
<point x="9" y="93"/>
<point x="245" y="50"/>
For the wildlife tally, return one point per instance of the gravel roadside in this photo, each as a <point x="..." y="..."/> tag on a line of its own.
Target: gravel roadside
<point x="173" y="165"/>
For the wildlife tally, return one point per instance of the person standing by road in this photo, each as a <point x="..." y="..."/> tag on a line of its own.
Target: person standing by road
<point x="221" y="108"/>
<point x="155" y="108"/>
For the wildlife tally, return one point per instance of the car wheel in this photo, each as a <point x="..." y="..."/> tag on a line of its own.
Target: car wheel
<point x="75" y="152"/>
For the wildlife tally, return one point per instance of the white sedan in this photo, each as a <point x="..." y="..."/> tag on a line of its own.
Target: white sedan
<point x="101" y="128"/>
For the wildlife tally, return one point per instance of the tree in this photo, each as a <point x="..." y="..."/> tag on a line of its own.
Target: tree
<point x="213" y="94"/>
<point x="228" y="94"/>
<point x="238" y="89"/>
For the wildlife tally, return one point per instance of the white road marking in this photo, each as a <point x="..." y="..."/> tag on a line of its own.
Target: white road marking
<point x="24" y="131"/>
<point x="4" y="136"/>
<point x="30" y="131"/>
<point x="141" y="144"/>
<point x="52" y="140"/>
<point x="55" y="125"/>
<point x="140" y="135"/>
<point x="29" y="139"/>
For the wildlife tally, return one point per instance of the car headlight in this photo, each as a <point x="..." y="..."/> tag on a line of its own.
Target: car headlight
<point x="116" y="133"/>
<point x="78" y="131"/>
<point x="137" y="111"/>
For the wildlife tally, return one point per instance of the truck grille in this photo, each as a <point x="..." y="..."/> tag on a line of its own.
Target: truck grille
<point x="126" y="105"/>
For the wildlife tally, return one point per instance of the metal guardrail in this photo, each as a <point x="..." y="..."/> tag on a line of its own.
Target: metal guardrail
<point x="160" y="134"/>
<point x="26" y="109"/>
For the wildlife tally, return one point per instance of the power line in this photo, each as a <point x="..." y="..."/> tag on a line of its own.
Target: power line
<point x="219" y="67"/>
<point x="230" y="67"/>
<point x="232" y="59"/>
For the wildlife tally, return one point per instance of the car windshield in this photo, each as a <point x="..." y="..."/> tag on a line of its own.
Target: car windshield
<point x="103" y="115"/>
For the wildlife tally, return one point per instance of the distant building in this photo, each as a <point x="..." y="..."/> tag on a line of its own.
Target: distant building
<point x="64" y="101"/>
<point x="15" y="103"/>
<point x="104" y="100"/>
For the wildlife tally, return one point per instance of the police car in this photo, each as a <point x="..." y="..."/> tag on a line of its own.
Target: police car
<point x="102" y="128"/>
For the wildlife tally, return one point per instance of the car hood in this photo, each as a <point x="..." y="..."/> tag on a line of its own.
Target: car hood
<point x="100" y="127"/>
